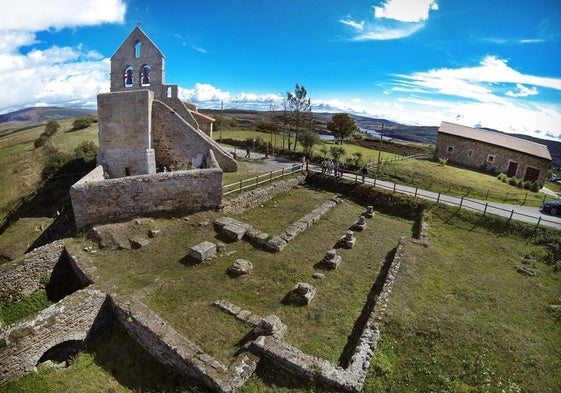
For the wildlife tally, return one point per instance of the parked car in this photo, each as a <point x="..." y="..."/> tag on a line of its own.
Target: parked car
<point x="552" y="207"/>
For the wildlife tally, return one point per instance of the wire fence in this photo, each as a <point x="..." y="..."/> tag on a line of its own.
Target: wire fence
<point x="484" y="207"/>
<point x="254" y="182"/>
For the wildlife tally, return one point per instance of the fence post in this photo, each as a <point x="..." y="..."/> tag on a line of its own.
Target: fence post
<point x="525" y="196"/>
<point x="438" y="198"/>
<point x="416" y="189"/>
<point x="240" y="184"/>
<point x="256" y="181"/>
<point x="485" y="210"/>
<point x="394" y="184"/>
<point x="511" y="214"/>
<point x="461" y="202"/>
<point x="282" y="173"/>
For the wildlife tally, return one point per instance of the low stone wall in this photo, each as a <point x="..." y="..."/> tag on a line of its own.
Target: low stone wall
<point x="95" y="201"/>
<point x="352" y="377"/>
<point x="23" y="344"/>
<point x="252" y="198"/>
<point x="175" y="351"/>
<point x="29" y="273"/>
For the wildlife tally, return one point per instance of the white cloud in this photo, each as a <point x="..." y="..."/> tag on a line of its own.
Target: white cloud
<point x="55" y="75"/>
<point x="406" y="10"/>
<point x="523" y="91"/>
<point x="37" y="15"/>
<point x="395" y="19"/>
<point x="203" y="93"/>
<point x="353" y="24"/>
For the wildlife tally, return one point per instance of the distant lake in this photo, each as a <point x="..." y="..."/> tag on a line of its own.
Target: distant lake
<point x="327" y="137"/>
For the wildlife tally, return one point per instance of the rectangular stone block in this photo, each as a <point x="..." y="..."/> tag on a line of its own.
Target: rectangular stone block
<point x="203" y="251"/>
<point x="234" y="231"/>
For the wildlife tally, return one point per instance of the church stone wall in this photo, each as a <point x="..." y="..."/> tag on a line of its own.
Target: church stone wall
<point x="125" y="121"/>
<point x="109" y="200"/>
<point x="174" y="139"/>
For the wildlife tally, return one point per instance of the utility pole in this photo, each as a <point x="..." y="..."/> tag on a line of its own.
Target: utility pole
<point x="221" y="119"/>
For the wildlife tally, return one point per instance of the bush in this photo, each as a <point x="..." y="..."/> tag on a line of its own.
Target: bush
<point x="82" y="123"/>
<point x="54" y="163"/>
<point x="41" y="141"/>
<point x="86" y="151"/>
<point x="52" y="127"/>
<point x="443" y="161"/>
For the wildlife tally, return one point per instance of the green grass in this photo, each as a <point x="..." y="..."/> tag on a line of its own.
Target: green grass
<point x="13" y="312"/>
<point x="452" y="180"/>
<point x="462" y="319"/>
<point x="185" y="300"/>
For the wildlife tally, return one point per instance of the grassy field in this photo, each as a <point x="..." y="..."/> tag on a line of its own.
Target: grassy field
<point x="430" y="175"/>
<point x="460" y="318"/>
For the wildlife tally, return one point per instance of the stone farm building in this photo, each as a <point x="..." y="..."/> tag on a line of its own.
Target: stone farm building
<point x="145" y="127"/>
<point x="493" y="152"/>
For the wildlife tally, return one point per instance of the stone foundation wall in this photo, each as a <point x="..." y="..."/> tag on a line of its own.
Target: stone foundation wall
<point x="110" y="200"/>
<point x="29" y="273"/>
<point x="23" y="344"/>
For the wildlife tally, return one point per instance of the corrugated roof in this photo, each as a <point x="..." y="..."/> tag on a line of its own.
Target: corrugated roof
<point x="496" y="138"/>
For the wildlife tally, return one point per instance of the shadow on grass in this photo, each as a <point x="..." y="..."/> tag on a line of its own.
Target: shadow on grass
<point x="360" y="323"/>
<point x="128" y="362"/>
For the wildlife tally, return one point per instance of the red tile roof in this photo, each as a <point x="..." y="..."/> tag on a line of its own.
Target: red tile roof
<point x="496" y="138"/>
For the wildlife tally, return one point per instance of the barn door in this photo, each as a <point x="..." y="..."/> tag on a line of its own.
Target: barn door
<point x="512" y="168"/>
<point x="532" y="174"/>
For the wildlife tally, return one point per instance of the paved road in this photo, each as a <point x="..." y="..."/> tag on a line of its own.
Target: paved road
<point x="527" y="214"/>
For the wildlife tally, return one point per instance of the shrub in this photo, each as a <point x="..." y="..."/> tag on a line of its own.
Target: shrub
<point x="52" y="127"/>
<point x="82" y="122"/>
<point x="41" y="141"/>
<point x="54" y="163"/>
<point x="87" y="150"/>
<point x="442" y="161"/>
<point x="502" y="177"/>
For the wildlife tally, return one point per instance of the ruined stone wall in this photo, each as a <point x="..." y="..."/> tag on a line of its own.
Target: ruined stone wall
<point x="176" y="140"/>
<point x="125" y="122"/>
<point x="462" y="148"/>
<point x="23" y="344"/>
<point x="29" y="273"/>
<point x="109" y="200"/>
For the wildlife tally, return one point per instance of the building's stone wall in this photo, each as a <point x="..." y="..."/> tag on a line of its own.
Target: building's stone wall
<point x="30" y="273"/>
<point x="96" y="202"/>
<point x="175" y="139"/>
<point x="125" y="123"/>
<point x="463" y="147"/>
<point x="23" y="344"/>
<point x="127" y="55"/>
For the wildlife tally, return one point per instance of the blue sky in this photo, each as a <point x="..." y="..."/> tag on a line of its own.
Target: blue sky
<point x="483" y="63"/>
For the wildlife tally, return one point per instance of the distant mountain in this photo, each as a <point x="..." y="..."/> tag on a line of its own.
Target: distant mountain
<point x="44" y="114"/>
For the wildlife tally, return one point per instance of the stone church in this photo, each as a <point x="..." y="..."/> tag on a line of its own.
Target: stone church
<point x="143" y="125"/>
<point x="147" y="133"/>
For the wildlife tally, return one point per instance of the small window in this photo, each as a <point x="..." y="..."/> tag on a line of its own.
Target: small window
<point x="470" y="153"/>
<point x="169" y="92"/>
<point x="127" y="171"/>
<point x="137" y="46"/>
<point x="450" y="149"/>
<point x="490" y="158"/>
<point x="129" y="76"/>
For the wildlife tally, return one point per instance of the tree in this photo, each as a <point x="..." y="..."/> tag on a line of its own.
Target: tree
<point x="52" y="127"/>
<point x="341" y="126"/>
<point x="300" y="108"/>
<point x="309" y="139"/>
<point x="86" y="151"/>
<point x="337" y="152"/>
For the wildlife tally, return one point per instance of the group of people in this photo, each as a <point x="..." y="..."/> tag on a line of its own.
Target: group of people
<point x="332" y="167"/>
